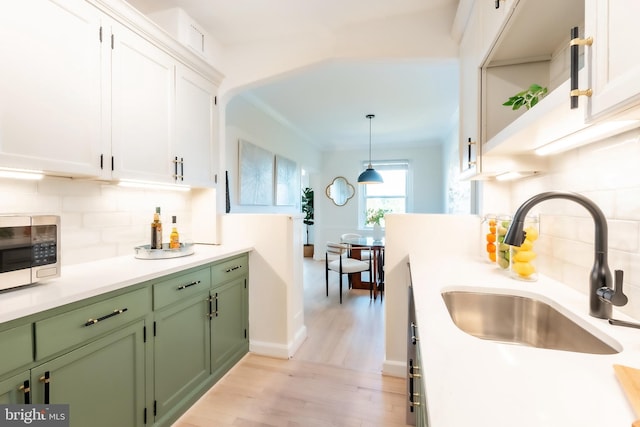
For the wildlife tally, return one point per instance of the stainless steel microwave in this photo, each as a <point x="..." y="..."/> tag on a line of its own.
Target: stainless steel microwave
<point x="29" y="249"/>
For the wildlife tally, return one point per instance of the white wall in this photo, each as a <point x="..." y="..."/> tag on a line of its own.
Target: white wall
<point x="276" y="300"/>
<point x="245" y="121"/>
<point x="426" y="190"/>
<point x="606" y="172"/>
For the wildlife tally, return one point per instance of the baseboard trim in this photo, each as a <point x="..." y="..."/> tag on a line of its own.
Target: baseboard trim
<point x="394" y="368"/>
<point x="279" y="351"/>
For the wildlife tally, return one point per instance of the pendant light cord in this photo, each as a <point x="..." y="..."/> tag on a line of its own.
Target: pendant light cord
<point x="370" y="116"/>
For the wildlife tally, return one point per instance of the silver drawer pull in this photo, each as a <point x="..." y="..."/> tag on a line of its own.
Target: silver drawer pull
<point x="105" y="317"/>
<point x="181" y="287"/>
<point x="230" y="269"/>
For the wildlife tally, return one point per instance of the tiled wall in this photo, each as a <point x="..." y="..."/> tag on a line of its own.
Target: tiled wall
<point x="607" y="172"/>
<point x="99" y="220"/>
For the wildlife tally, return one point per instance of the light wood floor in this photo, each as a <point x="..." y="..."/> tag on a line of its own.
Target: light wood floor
<point x="334" y="379"/>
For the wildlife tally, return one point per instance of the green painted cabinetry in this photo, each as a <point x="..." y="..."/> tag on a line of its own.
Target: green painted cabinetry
<point x="182" y="361"/>
<point x="103" y="381"/>
<point x="229" y="323"/>
<point x="16" y="389"/>
<point x="137" y="357"/>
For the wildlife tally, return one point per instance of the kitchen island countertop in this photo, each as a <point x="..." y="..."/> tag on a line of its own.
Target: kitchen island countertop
<point x="81" y="281"/>
<point x="475" y="382"/>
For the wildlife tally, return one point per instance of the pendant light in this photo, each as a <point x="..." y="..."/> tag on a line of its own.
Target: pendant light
<point x="370" y="176"/>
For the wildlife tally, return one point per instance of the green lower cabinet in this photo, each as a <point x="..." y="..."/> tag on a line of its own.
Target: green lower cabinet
<point x="15" y="389"/>
<point x="103" y="382"/>
<point x="182" y="360"/>
<point x="229" y="324"/>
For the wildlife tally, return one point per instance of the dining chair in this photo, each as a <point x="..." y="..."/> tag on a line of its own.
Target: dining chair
<point x="365" y="254"/>
<point x="337" y="261"/>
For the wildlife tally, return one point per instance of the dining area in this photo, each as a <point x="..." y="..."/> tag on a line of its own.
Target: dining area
<point x="360" y="259"/>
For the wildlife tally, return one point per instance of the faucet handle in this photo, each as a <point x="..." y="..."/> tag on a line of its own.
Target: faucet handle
<point x="615" y="296"/>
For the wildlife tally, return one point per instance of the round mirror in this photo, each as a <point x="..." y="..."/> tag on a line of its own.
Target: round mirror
<point x="340" y="191"/>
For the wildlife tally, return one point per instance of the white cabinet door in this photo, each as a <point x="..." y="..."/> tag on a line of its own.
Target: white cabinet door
<point x="143" y="100"/>
<point x="470" y="96"/>
<point x="50" y="95"/>
<point x="615" y="58"/>
<point x="195" y="128"/>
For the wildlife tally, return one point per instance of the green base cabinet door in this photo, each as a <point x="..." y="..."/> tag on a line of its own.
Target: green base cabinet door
<point x="16" y="389"/>
<point x="103" y="382"/>
<point x="182" y="360"/>
<point x="229" y="340"/>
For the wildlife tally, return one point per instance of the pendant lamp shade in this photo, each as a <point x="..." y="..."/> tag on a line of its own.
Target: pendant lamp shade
<point x="370" y="176"/>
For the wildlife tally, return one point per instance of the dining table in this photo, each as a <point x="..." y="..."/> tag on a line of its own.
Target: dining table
<point x="376" y="246"/>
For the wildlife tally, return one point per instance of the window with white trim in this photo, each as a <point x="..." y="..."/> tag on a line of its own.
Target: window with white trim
<point x="390" y="195"/>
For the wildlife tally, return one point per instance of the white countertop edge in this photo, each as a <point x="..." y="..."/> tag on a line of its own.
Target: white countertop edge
<point x="470" y="381"/>
<point x="81" y="281"/>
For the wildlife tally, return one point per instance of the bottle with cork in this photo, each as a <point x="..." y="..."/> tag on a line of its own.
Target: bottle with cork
<point x="156" y="230"/>
<point x="174" y="237"/>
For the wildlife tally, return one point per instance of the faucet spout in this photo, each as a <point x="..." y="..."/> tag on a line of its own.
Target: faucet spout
<point x="600" y="274"/>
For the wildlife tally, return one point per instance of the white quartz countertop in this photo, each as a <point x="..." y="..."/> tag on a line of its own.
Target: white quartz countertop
<point x="81" y="281"/>
<point x="475" y="382"/>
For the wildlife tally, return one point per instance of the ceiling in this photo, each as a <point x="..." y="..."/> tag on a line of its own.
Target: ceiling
<point x="414" y="99"/>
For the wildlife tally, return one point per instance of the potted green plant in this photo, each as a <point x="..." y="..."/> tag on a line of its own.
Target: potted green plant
<point x="527" y="98"/>
<point x="307" y="210"/>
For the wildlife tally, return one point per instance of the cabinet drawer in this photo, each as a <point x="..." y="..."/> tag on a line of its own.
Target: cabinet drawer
<point x="17" y="348"/>
<point x="84" y="324"/>
<point x="183" y="286"/>
<point x="229" y="269"/>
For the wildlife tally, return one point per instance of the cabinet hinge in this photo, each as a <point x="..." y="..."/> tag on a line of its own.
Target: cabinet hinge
<point x="100" y="34"/>
<point x="112" y="41"/>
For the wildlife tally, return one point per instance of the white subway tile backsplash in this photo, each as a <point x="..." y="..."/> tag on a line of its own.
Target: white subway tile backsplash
<point x="607" y="173"/>
<point x="98" y="220"/>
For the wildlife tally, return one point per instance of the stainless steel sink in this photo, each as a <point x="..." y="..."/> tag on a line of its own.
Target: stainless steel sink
<point x="522" y="320"/>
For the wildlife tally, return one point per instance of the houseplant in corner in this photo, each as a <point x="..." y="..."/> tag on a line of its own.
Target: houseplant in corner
<point x="307" y="209"/>
<point x="374" y="216"/>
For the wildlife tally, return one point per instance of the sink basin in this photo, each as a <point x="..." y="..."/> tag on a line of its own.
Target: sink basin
<point x="523" y="320"/>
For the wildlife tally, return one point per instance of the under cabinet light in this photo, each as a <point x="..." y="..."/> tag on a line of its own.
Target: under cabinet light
<point x="509" y="176"/>
<point x="586" y="136"/>
<point x="29" y="174"/>
<point x="131" y="183"/>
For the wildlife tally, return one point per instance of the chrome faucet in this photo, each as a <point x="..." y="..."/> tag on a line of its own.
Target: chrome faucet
<point x="602" y="293"/>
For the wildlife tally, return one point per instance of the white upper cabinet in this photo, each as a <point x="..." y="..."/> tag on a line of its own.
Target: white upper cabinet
<point x="143" y="102"/>
<point x="50" y="86"/>
<point x="193" y="150"/>
<point x="615" y="58"/>
<point x="470" y="95"/>
<point x="91" y="88"/>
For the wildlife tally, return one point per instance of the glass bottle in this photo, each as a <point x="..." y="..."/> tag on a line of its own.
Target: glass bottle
<point x="156" y="231"/>
<point x="174" y="237"/>
<point x="503" y="251"/>
<point x="523" y="258"/>
<point x="489" y="237"/>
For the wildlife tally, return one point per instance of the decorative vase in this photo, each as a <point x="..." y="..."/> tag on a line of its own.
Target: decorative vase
<point x="378" y="234"/>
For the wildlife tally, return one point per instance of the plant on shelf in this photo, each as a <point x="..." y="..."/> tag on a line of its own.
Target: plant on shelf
<point x="307" y="210"/>
<point x="374" y="216"/>
<point x="527" y="98"/>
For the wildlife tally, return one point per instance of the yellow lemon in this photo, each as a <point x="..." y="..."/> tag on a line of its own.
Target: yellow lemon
<point x="523" y="269"/>
<point x="532" y="233"/>
<point x="527" y="245"/>
<point x="524" y="256"/>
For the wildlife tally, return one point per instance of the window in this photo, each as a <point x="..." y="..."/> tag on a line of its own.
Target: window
<point x="391" y="195"/>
